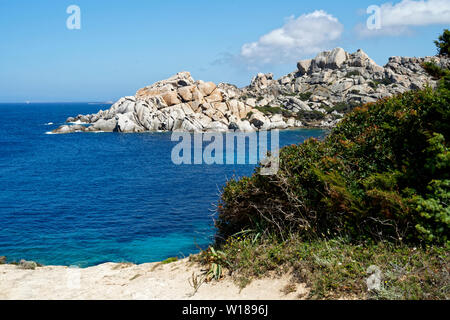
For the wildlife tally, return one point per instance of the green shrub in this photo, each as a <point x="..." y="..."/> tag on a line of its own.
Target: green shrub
<point x="305" y="96"/>
<point x="382" y="173"/>
<point x="434" y="70"/>
<point x="342" y="107"/>
<point x="268" y="110"/>
<point x="375" y="83"/>
<point x="352" y="74"/>
<point x="312" y="115"/>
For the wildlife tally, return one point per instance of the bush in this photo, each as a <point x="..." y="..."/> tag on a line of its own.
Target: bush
<point x="382" y="173"/>
<point x="375" y="83"/>
<point x="342" y="107"/>
<point x="305" y="96"/>
<point x="312" y="115"/>
<point x="434" y="70"/>
<point x="268" y="110"/>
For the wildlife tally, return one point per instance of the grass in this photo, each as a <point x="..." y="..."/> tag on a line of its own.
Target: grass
<point x="167" y="261"/>
<point x="337" y="268"/>
<point x="170" y="260"/>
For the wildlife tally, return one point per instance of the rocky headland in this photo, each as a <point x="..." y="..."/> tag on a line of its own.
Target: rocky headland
<point x="317" y="94"/>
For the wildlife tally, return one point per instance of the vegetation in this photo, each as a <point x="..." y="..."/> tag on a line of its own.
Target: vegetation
<point x="305" y="96"/>
<point x="312" y="115"/>
<point x="337" y="268"/>
<point x="268" y="111"/>
<point x="341" y="107"/>
<point x="170" y="260"/>
<point x="382" y="173"/>
<point x="352" y="74"/>
<point x="443" y="43"/>
<point x="434" y="70"/>
<point x="375" y="83"/>
<point x="373" y="195"/>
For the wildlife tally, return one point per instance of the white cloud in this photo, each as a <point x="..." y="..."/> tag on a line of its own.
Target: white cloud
<point x="306" y="35"/>
<point x="396" y="19"/>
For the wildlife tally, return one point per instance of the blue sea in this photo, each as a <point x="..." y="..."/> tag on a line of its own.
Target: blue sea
<point x="87" y="198"/>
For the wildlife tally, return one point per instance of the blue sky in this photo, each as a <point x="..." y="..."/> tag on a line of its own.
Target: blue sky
<point x="125" y="45"/>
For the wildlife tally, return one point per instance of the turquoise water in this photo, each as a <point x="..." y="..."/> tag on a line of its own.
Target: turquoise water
<point x="88" y="198"/>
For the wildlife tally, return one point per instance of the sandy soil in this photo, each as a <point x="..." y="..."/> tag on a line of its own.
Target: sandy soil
<point x="127" y="281"/>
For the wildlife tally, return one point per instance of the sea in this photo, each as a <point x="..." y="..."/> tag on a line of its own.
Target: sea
<point x="83" y="199"/>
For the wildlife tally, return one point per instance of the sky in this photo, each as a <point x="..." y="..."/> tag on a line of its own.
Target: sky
<point x="122" y="46"/>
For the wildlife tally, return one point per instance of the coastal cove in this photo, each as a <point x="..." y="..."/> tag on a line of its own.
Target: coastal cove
<point x="86" y="199"/>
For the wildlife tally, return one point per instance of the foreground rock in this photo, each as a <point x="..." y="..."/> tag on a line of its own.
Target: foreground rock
<point x="128" y="281"/>
<point x="318" y="93"/>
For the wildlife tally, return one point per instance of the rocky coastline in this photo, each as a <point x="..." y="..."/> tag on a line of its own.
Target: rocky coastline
<point x="317" y="94"/>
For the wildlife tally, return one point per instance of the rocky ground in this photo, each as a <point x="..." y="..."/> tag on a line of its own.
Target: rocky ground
<point x="181" y="280"/>
<point x="317" y="94"/>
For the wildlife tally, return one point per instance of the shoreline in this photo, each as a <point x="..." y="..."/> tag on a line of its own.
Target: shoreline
<point x="148" y="281"/>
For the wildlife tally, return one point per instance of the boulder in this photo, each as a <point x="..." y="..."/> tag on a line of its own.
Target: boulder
<point x="171" y="98"/>
<point x="303" y="66"/>
<point x="329" y="59"/>
<point x="233" y="126"/>
<point x="215" y="96"/>
<point x="186" y="93"/>
<point x="206" y="88"/>
<point x="104" y="125"/>
<point x="126" y="123"/>
<point x="28" y="265"/>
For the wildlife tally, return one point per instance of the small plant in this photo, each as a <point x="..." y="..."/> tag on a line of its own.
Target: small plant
<point x="375" y="83"/>
<point x="353" y="73"/>
<point x="289" y="288"/>
<point x="215" y="259"/>
<point x="305" y="96"/>
<point x="195" y="282"/>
